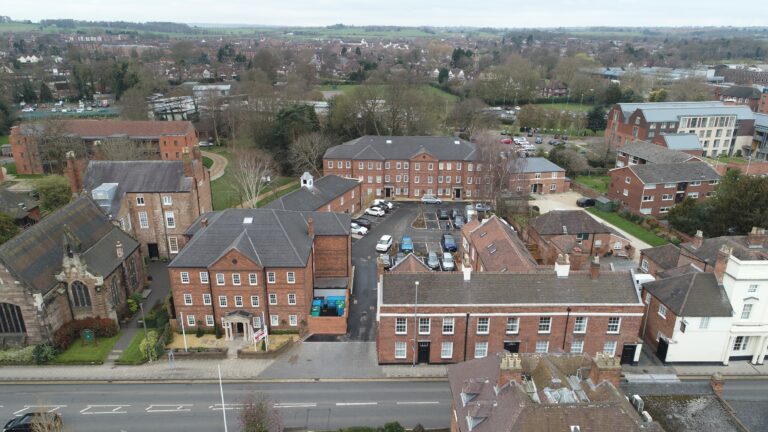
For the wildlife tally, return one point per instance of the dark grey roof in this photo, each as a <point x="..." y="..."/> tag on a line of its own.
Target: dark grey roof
<point x="655" y="153"/>
<point x="679" y="271"/>
<point x="136" y="177"/>
<point x="738" y="244"/>
<point x="323" y="191"/>
<point x="674" y="173"/>
<point x="272" y="238"/>
<point x="402" y="148"/>
<point x="692" y="295"/>
<point x="16" y="204"/>
<point x="567" y="222"/>
<point x="533" y="165"/>
<point x="666" y="256"/>
<point x="744" y="92"/>
<point x="682" y="141"/>
<point x="35" y="255"/>
<point x="438" y="288"/>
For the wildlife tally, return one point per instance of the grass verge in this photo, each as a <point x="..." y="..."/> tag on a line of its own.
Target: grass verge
<point x="131" y="355"/>
<point x="3" y="139"/>
<point x="598" y="183"/>
<point x="207" y="162"/>
<point x="630" y="227"/>
<point x="77" y="353"/>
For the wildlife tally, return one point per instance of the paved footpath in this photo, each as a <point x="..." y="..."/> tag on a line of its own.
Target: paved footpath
<point x="219" y="164"/>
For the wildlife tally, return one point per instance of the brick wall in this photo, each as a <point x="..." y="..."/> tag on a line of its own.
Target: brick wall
<point x="334" y="261"/>
<point x="656" y="323"/>
<point x="349" y="202"/>
<point x="172" y="146"/>
<point x="523" y="182"/>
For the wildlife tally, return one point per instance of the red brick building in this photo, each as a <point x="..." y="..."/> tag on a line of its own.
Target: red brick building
<point x="330" y="193"/>
<point x="537" y="175"/>
<point x="653" y="189"/>
<point x="640" y="153"/>
<point x="244" y="264"/>
<point x="456" y="317"/>
<point x="493" y="245"/>
<point x="762" y="106"/>
<point x="167" y="140"/>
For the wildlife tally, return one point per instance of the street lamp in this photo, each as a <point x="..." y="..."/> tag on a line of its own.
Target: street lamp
<point x="415" y="322"/>
<point x="146" y="334"/>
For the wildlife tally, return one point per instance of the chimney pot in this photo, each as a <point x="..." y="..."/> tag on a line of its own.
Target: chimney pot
<point x="698" y="239"/>
<point x="756" y="238"/>
<point x="119" y="249"/>
<point x="311" y="228"/>
<point x="467" y="273"/>
<point x="204" y="222"/>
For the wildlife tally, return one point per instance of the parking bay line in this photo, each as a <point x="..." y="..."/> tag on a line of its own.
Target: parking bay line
<point x="419" y="403"/>
<point x="355" y="403"/>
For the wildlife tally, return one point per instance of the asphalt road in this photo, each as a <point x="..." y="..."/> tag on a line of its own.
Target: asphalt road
<point x="197" y="407"/>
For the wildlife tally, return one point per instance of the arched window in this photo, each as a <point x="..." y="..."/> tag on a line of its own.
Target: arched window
<point x="115" y="292"/>
<point x="81" y="297"/>
<point x="11" y="320"/>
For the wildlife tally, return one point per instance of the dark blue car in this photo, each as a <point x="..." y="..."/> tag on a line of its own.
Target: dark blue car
<point x="406" y="245"/>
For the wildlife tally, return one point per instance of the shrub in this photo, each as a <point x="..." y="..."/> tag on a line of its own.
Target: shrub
<point x="132" y="306"/>
<point x="43" y="353"/>
<point x="217" y="331"/>
<point x="393" y="427"/>
<point x="199" y="332"/>
<point x="10" y="168"/>
<point x="152" y="338"/>
<point x="17" y="356"/>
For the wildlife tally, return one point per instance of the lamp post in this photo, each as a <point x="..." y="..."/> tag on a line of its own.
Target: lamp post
<point x="146" y="334"/>
<point x="415" y="322"/>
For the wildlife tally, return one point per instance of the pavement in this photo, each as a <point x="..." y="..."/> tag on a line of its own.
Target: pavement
<point x="219" y="164"/>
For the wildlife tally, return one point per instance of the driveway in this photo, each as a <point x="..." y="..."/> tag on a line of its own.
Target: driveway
<point x="219" y="164"/>
<point x="567" y="201"/>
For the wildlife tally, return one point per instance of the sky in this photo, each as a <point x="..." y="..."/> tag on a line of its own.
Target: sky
<point x="470" y="13"/>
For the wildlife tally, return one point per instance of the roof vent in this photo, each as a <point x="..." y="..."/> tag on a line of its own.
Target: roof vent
<point x="389" y="141"/>
<point x="248" y="220"/>
<point x="457" y="142"/>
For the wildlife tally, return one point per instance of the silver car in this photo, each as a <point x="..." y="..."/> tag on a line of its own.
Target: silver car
<point x="447" y="262"/>
<point x="432" y="261"/>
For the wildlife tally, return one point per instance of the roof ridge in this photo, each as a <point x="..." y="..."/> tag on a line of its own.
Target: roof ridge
<point x="285" y="233"/>
<point x="255" y="251"/>
<point x="687" y="293"/>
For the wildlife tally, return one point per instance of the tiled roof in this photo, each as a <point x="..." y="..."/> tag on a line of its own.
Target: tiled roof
<point x="35" y="255"/>
<point x="674" y="173"/>
<point x="117" y="128"/>
<point x="738" y="244"/>
<point x="403" y="148"/>
<point x="666" y="256"/>
<point x="10" y="203"/>
<point x="655" y="153"/>
<point x="323" y="191"/>
<point x="533" y="165"/>
<point x="498" y="247"/>
<point x="567" y="222"/>
<point x="410" y="264"/>
<point x="270" y="238"/>
<point x="692" y="295"/>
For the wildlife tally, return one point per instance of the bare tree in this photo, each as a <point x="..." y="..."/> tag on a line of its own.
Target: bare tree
<point x="470" y="114"/>
<point x="496" y="162"/>
<point x="54" y="143"/>
<point x="259" y="415"/>
<point x="306" y="152"/>
<point x="123" y="149"/>
<point x="251" y="173"/>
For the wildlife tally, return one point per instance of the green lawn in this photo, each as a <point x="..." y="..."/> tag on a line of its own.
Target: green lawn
<point x="726" y="159"/>
<point x="132" y="355"/>
<point x="574" y="107"/>
<point x="207" y="162"/>
<point x="3" y="139"/>
<point x="631" y="228"/>
<point x="90" y="353"/>
<point x="426" y="88"/>
<point x="598" y="183"/>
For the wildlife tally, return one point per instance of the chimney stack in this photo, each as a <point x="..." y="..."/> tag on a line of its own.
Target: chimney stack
<point x="119" y="250"/>
<point x="721" y="262"/>
<point x="467" y="273"/>
<point x="594" y="268"/>
<point x="698" y="239"/>
<point x="562" y="266"/>
<point x="311" y="228"/>
<point x="717" y="382"/>
<point x="756" y="238"/>
<point x="204" y="222"/>
<point x="186" y="161"/>
<point x="606" y="368"/>
<point x="73" y="173"/>
<point x="511" y="369"/>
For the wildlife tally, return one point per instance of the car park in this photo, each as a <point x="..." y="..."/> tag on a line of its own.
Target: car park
<point x="363" y="222"/>
<point x="448" y="243"/>
<point x="399" y="257"/>
<point x="430" y="199"/>
<point x="384" y="243"/>
<point x="406" y="244"/>
<point x="357" y="229"/>
<point x="432" y="261"/>
<point x="585" y="202"/>
<point x="443" y="214"/>
<point x="447" y="262"/>
<point x="33" y="422"/>
<point x="386" y="205"/>
<point x="375" y="211"/>
<point x="506" y="141"/>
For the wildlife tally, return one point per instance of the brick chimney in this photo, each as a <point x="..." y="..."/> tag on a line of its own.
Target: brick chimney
<point x="511" y="369"/>
<point x="721" y="262"/>
<point x="119" y="250"/>
<point x="594" y="268"/>
<point x="311" y="228"/>
<point x="204" y="222"/>
<point x="186" y="161"/>
<point x="756" y="238"/>
<point x="605" y="368"/>
<point x="73" y="172"/>
<point x="562" y="266"/>
<point x="698" y="239"/>
<point x="716" y="381"/>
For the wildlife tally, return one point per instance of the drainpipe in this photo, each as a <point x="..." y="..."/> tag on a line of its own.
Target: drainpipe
<point x="466" y="335"/>
<point x="565" y="332"/>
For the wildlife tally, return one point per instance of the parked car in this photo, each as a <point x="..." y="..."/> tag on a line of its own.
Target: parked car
<point x="448" y="243"/>
<point x="430" y="199"/>
<point x="385" y="260"/>
<point x="458" y="221"/>
<point x="565" y="137"/>
<point x="383" y="204"/>
<point x="399" y="257"/>
<point x="205" y="144"/>
<point x="375" y="211"/>
<point x="432" y="261"/>
<point x="482" y="207"/>
<point x="363" y="222"/>
<point x="447" y="262"/>
<point x="357" y="229"/>
<point x="530" y="133"/>
<point x="33" y="422"/>
<point x="406" y="244"/>
<point x="585" y="202"/>
<point x="506" y="141"/>
<point x="443" y="214"/>
<point x="470" y="211"/>
<point x="385" y="242"/>
<point x="539" y="140"/>
<point x="552" y="142"/>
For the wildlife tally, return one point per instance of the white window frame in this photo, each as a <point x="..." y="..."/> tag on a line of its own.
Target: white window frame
<point x="512" y="325"/>
<point x="184" y="277"/>
<point x="609" y="347"/>
<point x="140" y="201"/>
<point x="220" y="280"/>
<point x="483" y="325"/>
<point x="204" y="277"/>
<point x="481" y="349"/>
<point x="428" y="326"/>
<point x="253" y="279"/>
<point x="446" y="350"/>
<point x="401" y="351"/>
<point x="272" y="299"/>
<point x="239" y="301"/>
<point x="271" y="277"/>
<point x="746" y="311"/>
<point x="542" y="347"/>
<point x="170" y="219"/>
<point x="290" y="277"/>
<point x="292" y="299"/>
<point x="207" y="301"/>
<point x="401" y="325"/>
<point x="173" y="245"/>
<point x="662" y="311"/>
<point x="143" y="220"/>
<point x="583" y="327"/>
<point x="274" y="320"/>
<point x="449" y="325"/>
<point x="222" y="301"/>
<point x="618" y="325"/>
<point x="577" y="347"/>
<point x="187" y="299"/>
<point x="191" y="321"/>
<point x="545" y="322"/>
<point x="236" y="279"/>
<point x="254" y="301"/>
<point x="293" y="320"/>
<point x="209" y="322"/>
<point x="167" y="200"/>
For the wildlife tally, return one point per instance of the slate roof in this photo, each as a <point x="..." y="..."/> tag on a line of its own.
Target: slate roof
<point x="692" y="295"/>
<point x="94" y="129"/>
<point x="498" y="247"/>
<point x="533" y="165"/>
<point x="674" y="173"/>
<point x="655" y="153"/>
<point x="743" y="92"/>
<point x="739" y="248"/>
<point x="567" y="222"/>
<point x="402" y="148"/>
<point x="672" y="111"/>
<point x="682" y="141"/>
<point x="35" y="255"/>
<point x="9" y="203"/>
<point x="323" y="191"/>
<point x="679" y="271"/>
<point x="449" y="288"/>
<point x="272" y="238"/>
<point x="136" y="177"/>
<point x="666" y="256"/>
<point x="410" y="264"/>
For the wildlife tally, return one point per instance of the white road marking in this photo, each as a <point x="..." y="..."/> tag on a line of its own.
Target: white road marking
<point x="355" y="403"/>
<point x="169" y="408"/>
<point x="103" y="409"/>
<point x="295" y="405"/>
<point x="218" y="407"/>
<point x="418" y="403"/>
<point x="43" y="407"/>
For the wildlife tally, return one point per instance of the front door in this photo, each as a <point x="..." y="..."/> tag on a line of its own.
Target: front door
<point x="511" y="346"/>
<point x="534" y="188"/>
<point x="628" y="353"/>
<point x="154" y="252"/>
<point x="661" y="351"/>
<point x="423" y="352"/>
<point x="457" y="193"/>
<point x="387" y="192"/>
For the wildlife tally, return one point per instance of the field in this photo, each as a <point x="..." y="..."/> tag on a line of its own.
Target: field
<point x="573" y="107"/>
<point x="598" y="183"/>
<point x="427" y="89"/>
<point x="3" y="139"/>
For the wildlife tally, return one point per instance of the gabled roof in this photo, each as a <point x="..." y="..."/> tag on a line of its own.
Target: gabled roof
<point x="410" y="264"/>
<point x="402" y="148"/>
<point x="692" y="295"/>
<point x="35" y="255"/>
<point x="498" y="247"/>
<point x="567" y="222"/>
<point x="655" y="153"/>
<point x="671" y="111"/>
<point x="665" y="256"/>
<point x="271" y="238"/>
<point x="743" y="92"/>
<point x="323" y="191"/>
<point x="95" y="129"/>
<point x="738" y="244"/>
<point x="681" y="141"/>
<point x="533" y="165"/>
<point x="674" y="173"/>
<point x="16" y="204"/>
<point x="136" y="177"/>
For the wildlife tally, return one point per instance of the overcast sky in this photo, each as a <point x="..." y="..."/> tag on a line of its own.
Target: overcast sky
<point x="474" y="13"/>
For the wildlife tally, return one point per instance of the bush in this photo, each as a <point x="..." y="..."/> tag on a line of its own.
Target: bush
<point x="43" y="353"/>
<point x="393" y="427"/>
<point x="17" y="356"/>
<point x="217" y="331"/>
<point x="132" y="306"/>
<point x="10" y="168"/>
<point x="67" y="333"/>
<point x="152" y="338"/>
<point x="199" y="332"/>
